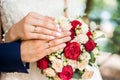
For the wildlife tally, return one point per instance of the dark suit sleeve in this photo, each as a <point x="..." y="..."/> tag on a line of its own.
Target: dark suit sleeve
<point x="10" y="58"/>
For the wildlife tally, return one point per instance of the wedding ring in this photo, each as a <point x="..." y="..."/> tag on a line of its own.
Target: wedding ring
<point x="35" y="29"/>
<point x="48" y="44"/>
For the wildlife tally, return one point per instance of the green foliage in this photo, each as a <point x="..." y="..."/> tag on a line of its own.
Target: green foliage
<point x="116" y="14"/>
<point x="98" y="6"/>
<point x="77" y="74"/>
<point x="92" y="60"/>
<point x="113" y="44"/>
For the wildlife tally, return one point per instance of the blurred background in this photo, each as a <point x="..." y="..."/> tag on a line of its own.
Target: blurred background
<point x="106" y="13"/>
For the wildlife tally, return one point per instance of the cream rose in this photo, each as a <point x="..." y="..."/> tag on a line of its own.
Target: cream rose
<point x="73" y="63"/>
<point x="81" y="38"/>
<point x="57" y="65"/>
<point x="49" y="72"/>
<point x="87" y="75"/>
<point x="82" y="65"/>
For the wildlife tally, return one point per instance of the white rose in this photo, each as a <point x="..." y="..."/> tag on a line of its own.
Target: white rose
<point x="81" y="38"/>
<point x="84" y="26"/>
<point x="73" y="63"/>
<point x="57" y="65"/>
<point x="49" y="72"/>
<point x="65" y="25"/>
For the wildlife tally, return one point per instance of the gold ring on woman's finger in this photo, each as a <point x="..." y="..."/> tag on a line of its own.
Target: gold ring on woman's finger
<point x="35" y="29"/>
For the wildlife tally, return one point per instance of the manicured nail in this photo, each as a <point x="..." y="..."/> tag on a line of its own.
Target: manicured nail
<point x="58" y="34"/>
<point x="69" y="33"/>
<point x="64" y="45"/>
<point x="58" y="28"/>
<point x="69" y="38"/>
<point x="51" y="37"/>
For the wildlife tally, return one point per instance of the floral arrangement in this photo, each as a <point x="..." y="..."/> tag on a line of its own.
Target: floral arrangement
<point x="80" y="52"/>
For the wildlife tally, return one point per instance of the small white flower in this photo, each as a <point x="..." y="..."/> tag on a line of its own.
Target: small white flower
<point x="49" y="72"/>
<point x="57" y="64"/>
<point x="85" y="56"/>
<point x="81" y="38"/>
<point x="52" y="58"/>
<point x="64" y="63"/>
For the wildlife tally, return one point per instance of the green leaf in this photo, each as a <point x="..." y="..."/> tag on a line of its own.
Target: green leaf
<point x="92" y="60"/>
<point x="77" y="74"/>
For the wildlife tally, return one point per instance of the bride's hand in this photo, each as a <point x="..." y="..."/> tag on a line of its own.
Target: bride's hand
<point x="33" y="26"/>
<point x="33" y="50"/>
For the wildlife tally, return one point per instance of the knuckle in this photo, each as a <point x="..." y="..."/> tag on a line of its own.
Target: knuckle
<point x="56" y="42"/>
<point x="64" y="34"/>
<point x="26" y="19"/>
<point x="24" y="27"/>
<point x="49" y="51"/>
<point x="41" y="30"/>
<point x="45" y="24"/>
<point x="46" y="19"/>
<point x="53" y="43"/>
<point x="26" y="35"/>
<point x="52" y="32"/>
<point x="38" y="36"/>
<point x="64" y="39"/>
<point x="30" y="13"/>
<point x="45" y="37"/>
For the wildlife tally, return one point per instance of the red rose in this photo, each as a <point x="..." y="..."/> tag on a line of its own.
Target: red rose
<point x="90" y="45"/>
<point x="72" y="34"/>
<point x="43" y="63"/>
<point x="74" y="23"/>
<point x="67" y="73"/>
<point x="89" y="34"/>
<point x="72" y="51"/>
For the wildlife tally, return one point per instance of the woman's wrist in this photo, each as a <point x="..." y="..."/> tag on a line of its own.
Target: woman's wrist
<point x="11" y="34"/>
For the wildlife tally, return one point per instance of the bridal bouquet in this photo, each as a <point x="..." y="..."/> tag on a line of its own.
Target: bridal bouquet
<point x="71" y="63"/>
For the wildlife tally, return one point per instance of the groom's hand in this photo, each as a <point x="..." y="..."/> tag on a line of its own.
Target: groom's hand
<point x="33" y="50"/>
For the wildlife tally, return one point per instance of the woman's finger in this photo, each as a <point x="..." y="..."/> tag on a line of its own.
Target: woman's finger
<point x="38" y="16"/>
<point x="55" y="48"/>
<point x="40" y="36"/>
<point x="41" y="30"/>
<point x="41" y="22"/>
<point x="59" y="41"/>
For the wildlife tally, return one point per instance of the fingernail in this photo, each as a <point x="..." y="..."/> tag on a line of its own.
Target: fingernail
<point x="51" y="37"/>
<point x="58" y="34"/>
<point x="64" y="45"/>
<point x="69" y="33"/>
<point x="58" y="28"/>
<point x="69" y="38"/>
